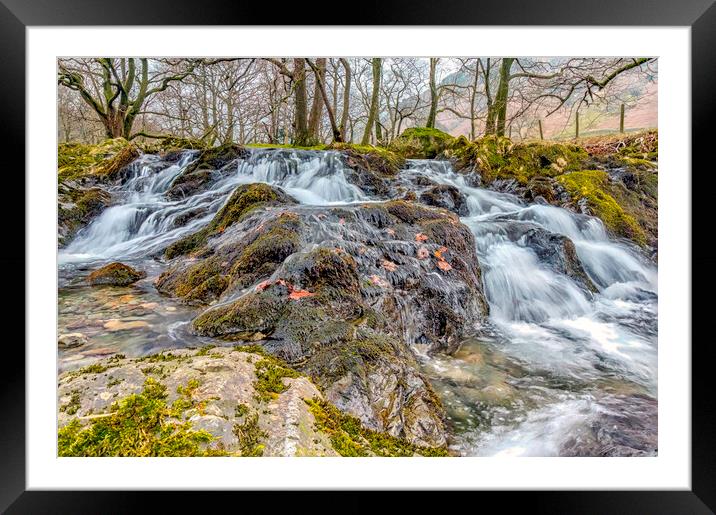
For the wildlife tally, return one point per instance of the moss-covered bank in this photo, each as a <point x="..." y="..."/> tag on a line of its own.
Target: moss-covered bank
<point x="421" y="143"/>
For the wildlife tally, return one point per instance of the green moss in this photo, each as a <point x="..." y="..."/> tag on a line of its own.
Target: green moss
<point x="379" y="160"/>
<point x="248" y="432"/>
<point x="251" y="349"/>
<point x="421" y="143"/>
<point x="94" y="368"/>
<point x="162" y="357"/>
<point x="75" y="160"/>
<point x="244" y="318"/>
<point x="593" y="186"/>
<point x="204" y="351"/>
<point x="350" y="438"/>
<point x="245" y="199"/>
<point x="270" y="373"/>
<point x="138" y="425"/>
<point x="497" y="157"/>
<point x="73" y="405"/>
<point x="173" y="143"/>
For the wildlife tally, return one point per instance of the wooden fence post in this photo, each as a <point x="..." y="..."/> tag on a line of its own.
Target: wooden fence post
<point x="621" y="120"/>
<point x="541" y="136"/>
<point x="577" y="130"/>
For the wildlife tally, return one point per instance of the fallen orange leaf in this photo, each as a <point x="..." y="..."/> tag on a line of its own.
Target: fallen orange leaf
<point x="299" y="294"/>
<point x="263" y="285"/>
<point x="439" y="253"/>
<point x="420" y="237"/>
<point x="389" y="266"/>
<point x="444" y="265"/>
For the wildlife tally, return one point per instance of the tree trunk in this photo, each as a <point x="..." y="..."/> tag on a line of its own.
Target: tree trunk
<point x="301" y="136"/>
<point x="320" y="81"/>
<point x="346" y="98"/>
<point x="500" y="105"/>
<point x="433" y="95"/>
<point x="373" y="112"/>
<point x="314" y="119"/>
<point x="490" y="121"/>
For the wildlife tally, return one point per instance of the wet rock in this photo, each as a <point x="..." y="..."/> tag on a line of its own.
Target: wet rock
<point x="204" y="170"/>
<point x="559" y="254"/>
<point x="115" y="274"/>
<point x="188" y="184"/>
<point x="71" y="340"/>
<point x="625" y="426"/>
<point x="541" y="189"/>
<point x="244" y="199"/>
<point x="121" y="325"/>
<point x="555" y="251"/>
<point x="447" y="197"/>
<point x="76" y="207"/>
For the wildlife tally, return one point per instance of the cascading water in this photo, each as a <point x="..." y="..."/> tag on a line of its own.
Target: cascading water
<point x="555" y="330"/>
<point x="144" y="221"/>
<point x="559" y="359"/>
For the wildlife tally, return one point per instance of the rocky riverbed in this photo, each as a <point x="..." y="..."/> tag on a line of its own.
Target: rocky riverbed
<point x="351" y="301"/>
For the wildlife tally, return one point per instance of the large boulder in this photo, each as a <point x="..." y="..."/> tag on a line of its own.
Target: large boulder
<point x="421" y="143"/>
<point x="242" y="201"/>
<point x="345" y="294"/>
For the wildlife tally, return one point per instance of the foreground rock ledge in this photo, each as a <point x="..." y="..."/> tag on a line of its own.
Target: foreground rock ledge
<point x="207" y="402"/>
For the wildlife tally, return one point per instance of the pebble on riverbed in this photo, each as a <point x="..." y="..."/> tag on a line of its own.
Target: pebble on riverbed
<point x="71" y="340"/>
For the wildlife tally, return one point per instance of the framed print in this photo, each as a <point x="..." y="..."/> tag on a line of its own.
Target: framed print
<point x="391" y="257"/>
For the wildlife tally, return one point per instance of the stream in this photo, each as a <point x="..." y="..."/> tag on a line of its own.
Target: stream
<point x="557" y="370"/>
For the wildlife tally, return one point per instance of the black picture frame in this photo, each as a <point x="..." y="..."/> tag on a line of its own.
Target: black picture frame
<point x="16" y="15"/>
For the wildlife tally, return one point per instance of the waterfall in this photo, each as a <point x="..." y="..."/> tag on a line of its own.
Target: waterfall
<point x="144" y="221"/>
<point x="566" y="337"/>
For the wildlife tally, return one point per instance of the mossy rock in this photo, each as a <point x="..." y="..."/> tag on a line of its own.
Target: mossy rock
<point x="498" y="158"/>
<point x="101" y="161"/>
<point x="378" y="160"/>
<point x="115" y="274"/>
<point x="350" y="438"/>
<point x="76" y="208"/>
<point x="251" y="317"/>
<point x="237" y="266"/>
<point x="421" y="143"/>
<point x="243" y="200"/>
<point x="595" y="188"/>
